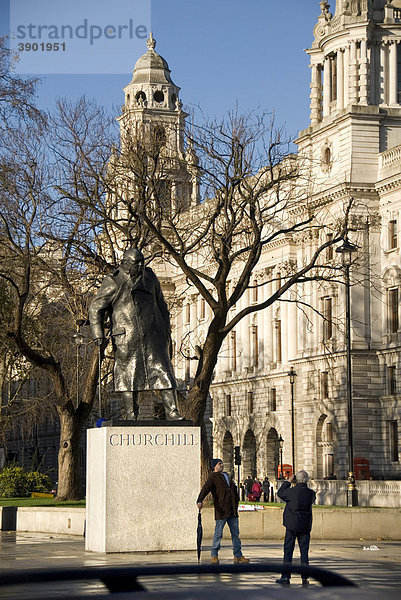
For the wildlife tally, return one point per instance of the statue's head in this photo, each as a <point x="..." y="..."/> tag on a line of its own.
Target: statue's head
<point x="134" y="262"/>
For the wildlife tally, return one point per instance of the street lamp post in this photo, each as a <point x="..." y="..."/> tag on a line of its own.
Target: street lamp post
<point x="280" y="445"/>
<point x="292" y="374"/>
<point x="346" y="251"/>
<point x="79" y="340"/>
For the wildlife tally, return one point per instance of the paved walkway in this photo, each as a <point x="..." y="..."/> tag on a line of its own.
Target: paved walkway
<point x="371" y="568"/>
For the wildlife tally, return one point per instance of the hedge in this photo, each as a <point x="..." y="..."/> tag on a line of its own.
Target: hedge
<point x="15" y="482"/>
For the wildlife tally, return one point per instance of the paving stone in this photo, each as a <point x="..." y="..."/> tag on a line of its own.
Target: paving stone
<point x="369" y="568"/>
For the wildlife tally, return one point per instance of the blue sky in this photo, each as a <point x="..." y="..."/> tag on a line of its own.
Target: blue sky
<point x="220" y="52"/>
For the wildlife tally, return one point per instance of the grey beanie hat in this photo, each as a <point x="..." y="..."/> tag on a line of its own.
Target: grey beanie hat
<point x="215" y="461"/>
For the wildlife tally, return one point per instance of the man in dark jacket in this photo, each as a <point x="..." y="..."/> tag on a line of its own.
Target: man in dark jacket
<point x="248" y="484"/>
<point x="297" y="520"/>
<point x="225" y="499"/>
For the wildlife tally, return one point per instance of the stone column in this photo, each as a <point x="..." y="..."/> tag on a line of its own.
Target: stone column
<point x="372" y="73"/>
<point x="340" y="79"/>
<point x="392" y="73"/>
<point x="292" y="329"/>
<point x="326" y="87"/>
<point x="383" y="74"/>
<point x="353" y="75"/>
<point x="315" y="95"/>
<point x="346" y="76"/>
<point x="363" y="74"/>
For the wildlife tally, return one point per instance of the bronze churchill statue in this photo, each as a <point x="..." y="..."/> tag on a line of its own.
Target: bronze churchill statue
<point x="140" y="332"/>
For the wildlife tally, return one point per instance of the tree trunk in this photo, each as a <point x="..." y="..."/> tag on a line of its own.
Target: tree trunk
<point x="72" y="425"/>
<point x="69" y="467"/>
<point x="194" y="408"/>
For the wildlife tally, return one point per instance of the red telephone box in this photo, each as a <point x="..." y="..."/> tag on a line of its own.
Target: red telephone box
<point x="361" y="468"/>
<point x="287" y="471"/>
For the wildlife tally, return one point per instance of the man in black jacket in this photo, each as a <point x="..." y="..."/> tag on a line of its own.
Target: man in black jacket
<point x="225" y="499"/>
<point x="297" y="520"/>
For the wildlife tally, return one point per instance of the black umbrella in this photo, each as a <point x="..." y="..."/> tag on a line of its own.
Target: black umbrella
<point x="199" y="534"/>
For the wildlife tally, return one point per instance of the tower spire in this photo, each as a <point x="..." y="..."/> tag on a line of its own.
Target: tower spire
<point x="151" y="42"/>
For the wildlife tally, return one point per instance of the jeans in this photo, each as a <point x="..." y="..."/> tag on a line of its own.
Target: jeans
<point x="218" y="534"/>
<point x="289" y="544"/>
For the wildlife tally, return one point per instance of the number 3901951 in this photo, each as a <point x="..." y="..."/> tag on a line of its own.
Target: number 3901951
<point x="41" y="47"/>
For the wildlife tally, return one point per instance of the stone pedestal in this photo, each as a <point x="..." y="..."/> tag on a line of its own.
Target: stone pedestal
<point x="142" y="483"/>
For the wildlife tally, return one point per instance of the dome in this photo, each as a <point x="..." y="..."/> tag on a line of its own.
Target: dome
<point x="151" y="67"/>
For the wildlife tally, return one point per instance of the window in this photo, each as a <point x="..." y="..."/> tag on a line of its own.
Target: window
<point x="391" y="380"/>
<point x="188" y="313"/>
<point x="187" y="368"/>
<point x="163" y="194"/>
<point x="254" y="345"/>
<point x="278" y="277"/>
<point x="392" y="234"/>
<point x="202" y="309"/>
<point x="278" y="340"/>
<point x="233" y="350"/>
<point x="158" y="96"/>
<point x="328" y="319"/>
<point x="255" y="291"/>
<point x="327" y="156"/>
<point x="329" y="249"/>
<point x="398" y="73"/>
<point x="393" y="310"/>
<point x="250" y="402"/>
<point x="393" y="438"/>
<point x="333" y="77"/>
<point x="324" y="384"/>
<point x="328" y="432"/>
<point x="228" y="405"/>
<point x="273" y="399"/>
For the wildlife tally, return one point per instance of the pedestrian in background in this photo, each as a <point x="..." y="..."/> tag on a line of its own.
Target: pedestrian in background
<point x="266" y="489"/>
<point x="257" y="490"/>
<point x="225" y="500"/>
<point x="248" y="483"/>
<point x="297" y="519"/>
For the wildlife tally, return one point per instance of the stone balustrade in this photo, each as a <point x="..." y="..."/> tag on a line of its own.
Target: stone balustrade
<point x="390" y="158"/>
<point x="386" y="494"/>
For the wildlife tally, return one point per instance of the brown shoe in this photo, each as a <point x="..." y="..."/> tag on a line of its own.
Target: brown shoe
<point x="214" y="560"/>
<point x="241" y="560"/>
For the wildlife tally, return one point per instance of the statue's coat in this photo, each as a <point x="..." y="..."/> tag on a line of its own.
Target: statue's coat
<point x="140" y="330"/>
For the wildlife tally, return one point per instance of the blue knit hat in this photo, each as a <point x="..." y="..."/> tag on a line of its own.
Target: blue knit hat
<point x="215" y="461"/>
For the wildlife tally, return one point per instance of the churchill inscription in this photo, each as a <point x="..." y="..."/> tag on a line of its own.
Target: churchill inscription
<point x="149" y="439"/>
<point x="142" y="483"/>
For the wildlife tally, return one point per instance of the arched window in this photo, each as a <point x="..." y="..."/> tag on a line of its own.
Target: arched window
<point x="272" y="454"/>
<point x="249" y="455"/>
<point x="228" y="452"/>
<point x="324" y="448"/>
<point x="158" y="96"/>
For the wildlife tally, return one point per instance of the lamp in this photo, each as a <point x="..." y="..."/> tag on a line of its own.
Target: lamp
<point x="292" y="374"/>
<point x="280" y="445"/>
<point x="79" y="339"/>
<point x="346" y="251"/>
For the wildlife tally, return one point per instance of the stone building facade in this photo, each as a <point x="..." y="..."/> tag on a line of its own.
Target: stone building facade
<point x="352" y="149"/>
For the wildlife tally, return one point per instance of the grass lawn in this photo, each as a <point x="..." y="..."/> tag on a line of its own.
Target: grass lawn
<point x="39" y="502"/>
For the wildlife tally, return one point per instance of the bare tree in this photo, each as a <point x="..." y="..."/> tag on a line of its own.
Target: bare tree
<point x="17" y="94"/>
<point x="47" y="285"/>
<point x="252" y="193"/>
